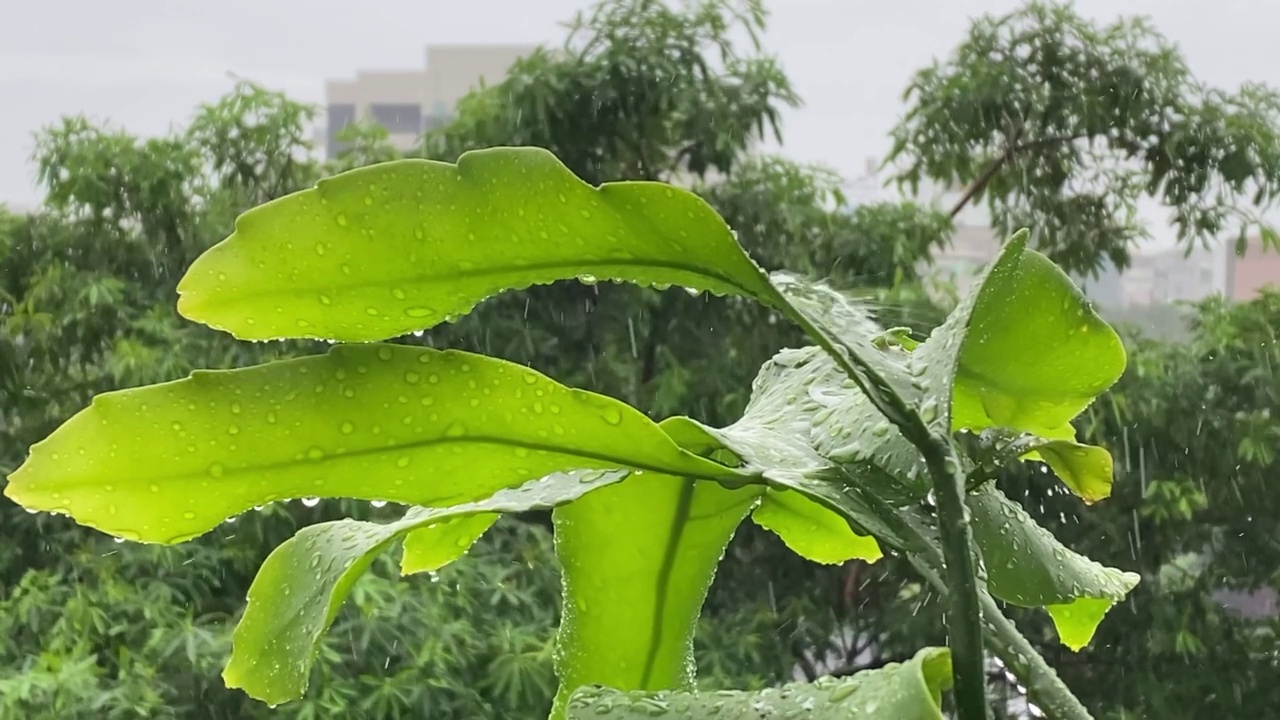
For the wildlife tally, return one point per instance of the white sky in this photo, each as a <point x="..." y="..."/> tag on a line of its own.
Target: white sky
<point x="146" y="64"/>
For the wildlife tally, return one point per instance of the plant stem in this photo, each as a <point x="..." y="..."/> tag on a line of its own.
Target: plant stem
<point x="1044" y="686"/>
<point x="964" y="618"/>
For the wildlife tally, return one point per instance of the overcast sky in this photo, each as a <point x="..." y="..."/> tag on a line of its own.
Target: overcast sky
<point x="146" y="63"/>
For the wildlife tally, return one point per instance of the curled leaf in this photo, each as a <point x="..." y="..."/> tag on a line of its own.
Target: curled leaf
<point x="303" y="582"/>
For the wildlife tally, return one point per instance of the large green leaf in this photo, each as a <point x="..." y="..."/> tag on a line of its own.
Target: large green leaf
<point x="376" y="422"/>
<point x="1026" y="565"/>
<point x="907" y="691"/>
<point x="304" y="581"/>
<point x="384" y="250"/>
<point x="638" y="559"/>
<point x="1034" y="369"/>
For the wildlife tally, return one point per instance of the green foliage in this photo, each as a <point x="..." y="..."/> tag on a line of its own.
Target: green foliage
<point x="316" y="420"/>
<point x="908" y="691"/>
<point x="324" y="426"/>
<point x="303" y="583"/>
<point x="1063" y="125"/>
<point x="642" y="89"/>
<point x="637" y="561"/>
<point x="127" y="630"/>
<point x="497" y="220"/>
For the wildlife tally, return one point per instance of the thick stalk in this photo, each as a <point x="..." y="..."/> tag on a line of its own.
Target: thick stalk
<point x="964" y="620"/>
<point x="1044" y="686"/>
<point x="964" y="617"/>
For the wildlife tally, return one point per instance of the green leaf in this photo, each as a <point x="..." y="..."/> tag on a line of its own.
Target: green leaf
<point x="428" y="549"/>
<point x="1026" y="565"/>
<point x="1085" y="469"/>
<point x="378" y="252"/>
<point x="811" y="530"/>
<point x="303" y="582"/>
<point x="375" y="422"/>
<point x="638" y="559"/>
<point x="907" y="691"/>
<point x="1034" y="369"/>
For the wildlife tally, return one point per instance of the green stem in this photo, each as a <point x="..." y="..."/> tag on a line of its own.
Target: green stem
<point x="964" y="619"/>
<point x="1044" y="686"/>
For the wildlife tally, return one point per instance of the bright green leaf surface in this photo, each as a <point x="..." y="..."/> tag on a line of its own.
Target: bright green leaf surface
<point x="638" y="559"/>
<point x="304" y="581"/>
<point x="808" y="527"/>
<point x="428" y="549"/>
<point x="1037" y="368"/>
<point x="1026" y="565"/>
<point x="380" y="251"/>
<point x="907" y="691"/>
<point x="811" y="530"/>
<point x="1085" y="469"/>
<point x="375" y="422"/>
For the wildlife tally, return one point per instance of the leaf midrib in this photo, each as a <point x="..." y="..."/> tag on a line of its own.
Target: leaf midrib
<point x="581" y="268"/>
<point x="675" y="533"/>
<point x="728" y="474"/>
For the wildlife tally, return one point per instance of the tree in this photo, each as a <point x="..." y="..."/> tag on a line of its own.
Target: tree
<point x="89" y="282"/>
<point x="1063" y="125"/>
<point x="86" y="289"/>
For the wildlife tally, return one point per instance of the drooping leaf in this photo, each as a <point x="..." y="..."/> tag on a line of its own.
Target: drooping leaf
<point x="770" y="439"/>
<point x="378" y="252"/>
<point x="303" y="582"/>
<point x="907" y="691"/>
<point x="376" y="422"/>
<point x="812" y="530"/>
<point x="637" y="560"/>
<point x="1026" y="565"/>
<point x="430" y="548"/>
<point x="1085" y="469"/>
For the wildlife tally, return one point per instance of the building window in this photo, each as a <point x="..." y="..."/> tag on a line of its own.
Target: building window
<point x="340" y="115"/>
<point x="397" y="118"/>
<point x="431" y="122"/>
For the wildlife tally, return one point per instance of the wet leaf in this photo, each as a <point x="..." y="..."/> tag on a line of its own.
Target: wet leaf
<point x="1026" y="565"/>
<point x="1085" y="469"/>
<point x="303" y="582"/>
<point x="907" y="691"/>
<point x="384" y="250"/>
<point x="1033" y="369"/>
<point x="812" y="530"/>
<point x="638" y="559"/>
<point x="375" y="422"/>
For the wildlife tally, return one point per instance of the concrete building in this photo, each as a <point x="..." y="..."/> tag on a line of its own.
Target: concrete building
<point x="410" y="102"/>
<point x="1157" y="277"/>
<point x="1256" y="268"/>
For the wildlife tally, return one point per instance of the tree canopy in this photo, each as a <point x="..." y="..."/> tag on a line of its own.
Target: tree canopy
<point x="1052" y="120"/>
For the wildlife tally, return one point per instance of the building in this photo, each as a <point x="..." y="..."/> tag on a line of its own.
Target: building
<point x="410" y="102"/>
<point x="1248" y="272"/>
